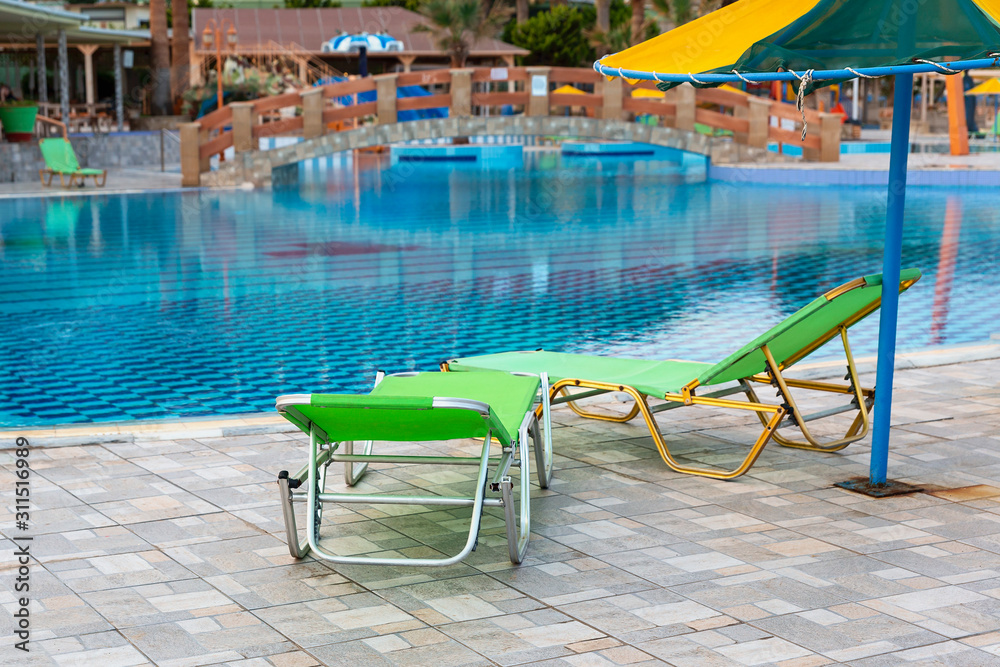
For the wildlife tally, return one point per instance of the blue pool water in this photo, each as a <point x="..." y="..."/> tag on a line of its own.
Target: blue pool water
<point x="186" y="304"/>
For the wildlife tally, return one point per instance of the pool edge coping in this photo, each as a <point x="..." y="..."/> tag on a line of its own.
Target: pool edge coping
<point x="263" y="423"/>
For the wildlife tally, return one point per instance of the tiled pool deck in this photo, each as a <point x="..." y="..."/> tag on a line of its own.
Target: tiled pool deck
<point x="167" y="549"/>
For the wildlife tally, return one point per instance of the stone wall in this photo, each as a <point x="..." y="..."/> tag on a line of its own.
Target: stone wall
<point x="21" y="162"/>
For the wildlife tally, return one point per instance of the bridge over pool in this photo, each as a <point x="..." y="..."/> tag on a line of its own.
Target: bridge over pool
<point x="725" y="126"/>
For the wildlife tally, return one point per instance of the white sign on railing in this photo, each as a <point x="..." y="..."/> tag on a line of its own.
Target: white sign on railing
<point x="498" y="74"/>
<point x="539" y="85"/>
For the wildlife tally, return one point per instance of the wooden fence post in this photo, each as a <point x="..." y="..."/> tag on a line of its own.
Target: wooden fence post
<point x="759" y="115"/>
<point x="461" y="92"/>
<point x="190" y="155"/>
<point x="538" y="105"/>
<point x="385" y="88"/>
<point x="829" y="137"/>
<point x="611" y="107"/>
<point x="243" y="121"/>
<point x="312" y="114"/>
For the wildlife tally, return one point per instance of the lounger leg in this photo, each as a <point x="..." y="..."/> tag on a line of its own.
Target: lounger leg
<point x="596" y="415"/>
<point x="777" y="414"/>
<point x="518" y="523"/>
<point x="478" y="502"/>
<point x="296" y="548"/>
<point x="858" y="428"/>
<point x="543" y="445"/>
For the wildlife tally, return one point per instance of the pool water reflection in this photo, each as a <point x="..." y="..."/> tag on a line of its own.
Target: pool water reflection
<point x="185" y="304"/>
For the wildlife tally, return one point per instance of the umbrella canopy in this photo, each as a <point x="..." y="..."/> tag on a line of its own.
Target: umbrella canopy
<point x="818" y="42"/>
<point x="991" y="87"/>
<point x="373" y="43"/>
<point x="648" y="93"/>
<point x="568" y="90"/>
<point x="799" y="35"/>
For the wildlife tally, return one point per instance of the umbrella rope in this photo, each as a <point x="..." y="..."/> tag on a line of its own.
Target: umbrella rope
<point x="694" y="80"/>
<point x="860" y="75"/>
<point x="946" y="70"/>
<point x="800" y="97"/>
<point x="742" y="78"/>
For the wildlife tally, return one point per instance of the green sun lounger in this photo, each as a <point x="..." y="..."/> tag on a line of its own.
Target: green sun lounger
<point x="494" y="407"/>
<point x="762" y="361"/>
<point x="60" y="160"/>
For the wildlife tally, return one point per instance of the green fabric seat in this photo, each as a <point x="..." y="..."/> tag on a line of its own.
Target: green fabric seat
<point x="496" y="407"/>
<point x="795" y="337"/>
<point x="763" y="360"/>
<point x="402" y="408"/>
<point x="649" y="377"/>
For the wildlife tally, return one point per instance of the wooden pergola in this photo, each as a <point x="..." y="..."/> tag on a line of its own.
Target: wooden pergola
<point x="25" y="26"/>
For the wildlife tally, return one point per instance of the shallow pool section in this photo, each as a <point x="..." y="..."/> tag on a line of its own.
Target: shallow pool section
<point x="185" y="304"/>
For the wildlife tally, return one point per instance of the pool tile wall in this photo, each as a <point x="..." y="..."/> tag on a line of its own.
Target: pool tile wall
<point x="21" y="162"/>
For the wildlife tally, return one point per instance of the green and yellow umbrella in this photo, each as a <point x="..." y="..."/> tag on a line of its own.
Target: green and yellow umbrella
<point x="813" y="43"/>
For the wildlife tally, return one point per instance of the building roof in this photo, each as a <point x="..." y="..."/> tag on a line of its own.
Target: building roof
<point x="20" y="22"/>
<point x="307" y="29"/>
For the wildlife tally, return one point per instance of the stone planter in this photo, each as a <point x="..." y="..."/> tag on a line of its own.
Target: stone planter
<point x="18" y="122"/>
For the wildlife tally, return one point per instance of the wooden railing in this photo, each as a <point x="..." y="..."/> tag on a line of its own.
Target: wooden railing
<point x="491" y="91"/>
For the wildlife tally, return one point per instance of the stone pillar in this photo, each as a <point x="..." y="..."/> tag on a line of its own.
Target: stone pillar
<point x="190" y="155"/>
<point x="43" y="77"/>
<point x="63" y="77"/>
<point x="461" y="92"/>
<point x="119" y="88"/>
<point x="683" y="97"/>
<point x="312" y="114"/>
<point x="611" y="109"/>
<point x="88" y="73"/>
<point x="385" y="89"/>
<point x="538" y="105"/>
<point x="243" y="121"/>
<point x="759" y="115"/>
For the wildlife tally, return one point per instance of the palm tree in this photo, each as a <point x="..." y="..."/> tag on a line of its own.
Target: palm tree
<point x="160" y="47"/>
<point x="181" y="47"/>
<point x="603" y="8"/>
<point x="522" y="11"/>
<point x="458" y="24"/>
<point x="638" y="20"/>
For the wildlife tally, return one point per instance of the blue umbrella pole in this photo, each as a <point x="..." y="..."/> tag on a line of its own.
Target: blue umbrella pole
<point x="891" y="261"/>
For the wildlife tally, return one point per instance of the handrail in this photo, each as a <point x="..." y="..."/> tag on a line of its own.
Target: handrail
<point x="51" y="121"/>
<point x="481" y="90"/>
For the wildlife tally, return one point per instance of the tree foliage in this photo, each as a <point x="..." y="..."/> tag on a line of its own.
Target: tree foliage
<point x="308" y="4"/>
<point x="412" y="5"/>
<point x="562" y="37"/>
<point x="458" y="24"/>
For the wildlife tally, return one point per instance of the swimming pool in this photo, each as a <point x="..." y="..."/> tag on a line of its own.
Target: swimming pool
<point x="184" y="304"/>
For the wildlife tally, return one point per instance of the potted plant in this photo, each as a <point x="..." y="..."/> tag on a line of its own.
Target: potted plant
<point x="18" y="119"/>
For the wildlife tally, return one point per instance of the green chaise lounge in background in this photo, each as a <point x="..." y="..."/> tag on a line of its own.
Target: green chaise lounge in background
<point x="762" y="361"/>
<point x="60" y="159"/>
<point x="496" y="407"/>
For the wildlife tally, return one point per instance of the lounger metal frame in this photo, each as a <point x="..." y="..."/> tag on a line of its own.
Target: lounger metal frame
<point x="98" y="182"/>
<point x="514" y="454"/>
<point x="772" y="416"/>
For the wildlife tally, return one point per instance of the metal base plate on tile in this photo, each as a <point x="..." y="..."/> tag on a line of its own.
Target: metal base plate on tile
<point x="890" y="488"/>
